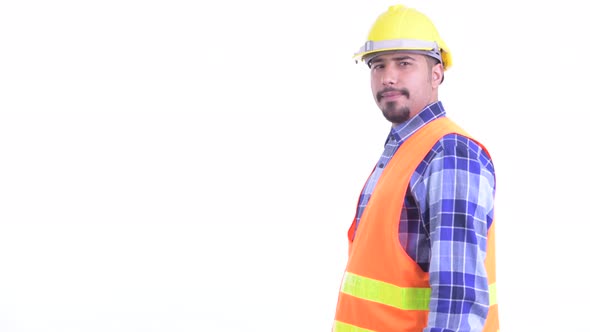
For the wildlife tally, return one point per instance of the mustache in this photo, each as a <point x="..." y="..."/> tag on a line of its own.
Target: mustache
<point x="404" y="92"/>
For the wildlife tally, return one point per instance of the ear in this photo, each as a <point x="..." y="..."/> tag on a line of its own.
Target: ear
<point x="437" y="75"/>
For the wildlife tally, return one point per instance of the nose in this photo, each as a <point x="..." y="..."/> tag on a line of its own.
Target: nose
<point x="390" y="76"/>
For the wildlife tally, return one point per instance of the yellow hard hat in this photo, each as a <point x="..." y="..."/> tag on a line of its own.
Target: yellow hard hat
<point x="403" y="28"/>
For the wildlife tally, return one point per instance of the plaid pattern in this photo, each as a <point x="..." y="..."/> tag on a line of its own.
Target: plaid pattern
<point x="448" y="209"/>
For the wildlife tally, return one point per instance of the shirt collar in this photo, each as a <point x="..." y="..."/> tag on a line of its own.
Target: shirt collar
<point x="404" y="130"/>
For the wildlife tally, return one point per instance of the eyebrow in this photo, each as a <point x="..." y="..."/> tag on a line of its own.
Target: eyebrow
<point x="396" y="58"/>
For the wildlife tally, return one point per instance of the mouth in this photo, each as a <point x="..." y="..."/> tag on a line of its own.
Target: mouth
<point x="390" y="95"/>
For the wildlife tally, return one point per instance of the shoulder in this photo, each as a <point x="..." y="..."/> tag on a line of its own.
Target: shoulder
<point x="456" y="151"/>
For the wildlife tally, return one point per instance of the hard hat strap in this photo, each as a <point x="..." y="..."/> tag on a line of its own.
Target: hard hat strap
<point x="430" y="47"/>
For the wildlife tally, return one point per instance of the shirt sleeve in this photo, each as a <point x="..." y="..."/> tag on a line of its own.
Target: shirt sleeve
<point x="458" y="209"/>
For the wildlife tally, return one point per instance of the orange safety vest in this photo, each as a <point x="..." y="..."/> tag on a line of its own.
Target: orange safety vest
<point x="383" y="289"/>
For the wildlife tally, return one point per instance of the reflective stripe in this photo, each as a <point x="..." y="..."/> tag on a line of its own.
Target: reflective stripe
<point x="384" y="293"/>
<point x="492" y="290"/>
<point x="392" y="295"/>
<point x="343" y="327"/>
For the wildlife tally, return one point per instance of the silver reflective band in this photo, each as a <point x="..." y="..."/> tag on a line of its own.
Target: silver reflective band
<point x="401" y="44"/>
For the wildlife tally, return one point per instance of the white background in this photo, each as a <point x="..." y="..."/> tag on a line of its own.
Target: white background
<point x="174" y="166"/>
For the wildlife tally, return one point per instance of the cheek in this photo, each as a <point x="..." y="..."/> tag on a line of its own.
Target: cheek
<point x="375" y="83"/>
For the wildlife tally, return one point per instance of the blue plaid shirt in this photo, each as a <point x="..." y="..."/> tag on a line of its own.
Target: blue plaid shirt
<point x="448" y="208"/>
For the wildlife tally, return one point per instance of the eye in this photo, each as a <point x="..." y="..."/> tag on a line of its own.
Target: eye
<point x="404" y="63"/>
<point x="376" y="66"/>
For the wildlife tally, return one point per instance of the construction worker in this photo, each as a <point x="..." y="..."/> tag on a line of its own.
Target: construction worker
<point x="421" y="254"/>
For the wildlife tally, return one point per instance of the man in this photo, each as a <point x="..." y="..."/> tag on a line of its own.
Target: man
<point x="421" y="247"/>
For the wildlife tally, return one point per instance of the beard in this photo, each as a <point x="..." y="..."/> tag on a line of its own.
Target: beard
<point x="394" y="113"/>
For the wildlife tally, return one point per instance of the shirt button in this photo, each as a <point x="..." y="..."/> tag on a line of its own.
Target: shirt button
<point x="381" y="165"/>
